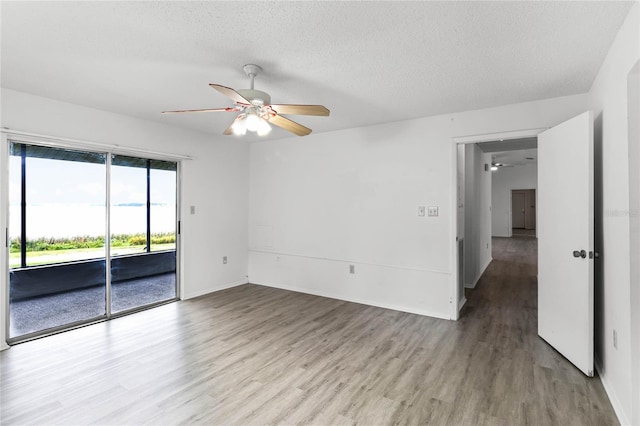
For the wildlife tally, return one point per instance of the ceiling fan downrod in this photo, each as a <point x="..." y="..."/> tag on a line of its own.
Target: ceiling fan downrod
<point x="255" y="97"/>
<point x="252" y="71"/>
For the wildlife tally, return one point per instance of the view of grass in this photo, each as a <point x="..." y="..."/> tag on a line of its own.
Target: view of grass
<point x="87" y="242"/>
<point x="55" y="250"/>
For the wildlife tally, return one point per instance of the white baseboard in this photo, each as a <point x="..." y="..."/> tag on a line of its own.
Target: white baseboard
<point x="462" y="303"/>
<point x="477" y="278"/>
<point x="615" y="401"/>
<point x="353" y="300"/>
<point x="212" y="290"/>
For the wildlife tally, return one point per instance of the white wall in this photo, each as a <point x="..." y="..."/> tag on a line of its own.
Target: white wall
<point x="477" y="219"/>
<point x="215" y="181"/>
<point x="633" y="120"/>
<point x="323" y="202"/>
<point x="608" y="100"/>
<point x="504" y="180"/>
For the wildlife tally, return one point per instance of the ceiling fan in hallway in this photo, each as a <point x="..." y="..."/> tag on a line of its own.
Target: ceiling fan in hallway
<point x="256" y="112"/>
<point x="495" y="165"/>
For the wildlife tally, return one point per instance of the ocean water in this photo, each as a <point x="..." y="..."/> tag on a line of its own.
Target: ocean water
<point x="69" y="220"/>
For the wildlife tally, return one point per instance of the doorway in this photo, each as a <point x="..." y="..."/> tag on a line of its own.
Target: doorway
<point x="523" y="212"/>
<point x="487" y="169"/>
<point x="92" y="235"/>
<point x="567" y="226"/>
<point x="518" y="209"/>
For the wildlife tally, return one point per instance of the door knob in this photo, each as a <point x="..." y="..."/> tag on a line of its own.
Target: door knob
<point x="581" y="253"/>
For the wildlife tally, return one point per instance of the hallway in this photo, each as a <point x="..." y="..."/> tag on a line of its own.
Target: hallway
<point x="547" y="388"/>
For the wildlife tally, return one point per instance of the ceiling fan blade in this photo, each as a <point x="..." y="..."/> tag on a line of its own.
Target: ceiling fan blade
<point x="289" y="125"/>
<point x="201" y="110"/>
<point x="230" y="93"/>
<point x="301" y="109"/>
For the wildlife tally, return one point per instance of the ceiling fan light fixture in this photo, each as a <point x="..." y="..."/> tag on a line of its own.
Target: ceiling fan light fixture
<point x="253" y="122"/>
<point x="263" y="128"/>
<point x="494" y="168"/>
<point x="239" y="127"/>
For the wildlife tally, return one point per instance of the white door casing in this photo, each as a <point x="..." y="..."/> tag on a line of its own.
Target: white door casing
<point x="566" y="230"/>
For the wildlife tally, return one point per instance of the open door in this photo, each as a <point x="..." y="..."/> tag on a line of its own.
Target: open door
<point x="565" y="239"/>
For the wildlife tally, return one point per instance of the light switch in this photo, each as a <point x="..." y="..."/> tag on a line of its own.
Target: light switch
<point x="421" y="211"/>
<point x="433" y="211"/>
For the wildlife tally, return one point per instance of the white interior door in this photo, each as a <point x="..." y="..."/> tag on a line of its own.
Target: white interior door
<point x="565" y="239"/>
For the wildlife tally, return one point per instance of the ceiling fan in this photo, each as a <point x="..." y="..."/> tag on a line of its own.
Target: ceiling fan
<point x="495" y="165"/>
<point x="256" y="111"/>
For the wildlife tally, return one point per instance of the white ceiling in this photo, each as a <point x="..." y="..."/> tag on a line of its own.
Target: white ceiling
<point x="368" y="62"/>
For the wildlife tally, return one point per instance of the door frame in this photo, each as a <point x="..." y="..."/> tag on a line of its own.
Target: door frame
<point x="4" y="225"/>
<point x="7" y="134"/>
<point x="455" y="304"/>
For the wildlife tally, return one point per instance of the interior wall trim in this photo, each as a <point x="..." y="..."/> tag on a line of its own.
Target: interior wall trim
<point x="486" y="137"/>
<point x="613" y="397"/>
<point x="214" y="289"/>
<point x="61" y="142"/>
<point x="480" y="274"/>
<point x="356" y="262"/>
<point x="361" y="301"/>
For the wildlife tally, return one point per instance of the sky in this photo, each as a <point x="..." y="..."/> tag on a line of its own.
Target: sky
<point x="72" y="182"/>
<point x="67" y="198"/>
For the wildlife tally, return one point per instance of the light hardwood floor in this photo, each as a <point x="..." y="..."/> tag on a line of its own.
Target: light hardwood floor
<point x="257" y="355"/>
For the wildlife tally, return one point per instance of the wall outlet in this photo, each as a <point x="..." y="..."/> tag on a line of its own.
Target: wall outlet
<point x="421" y="210"/>
<point x="615" y="339"/>
<point x="192" y="209"/>
<point x="352" y="269"/>
<point x="433" y="211"/>
<point x="224" y="260"/>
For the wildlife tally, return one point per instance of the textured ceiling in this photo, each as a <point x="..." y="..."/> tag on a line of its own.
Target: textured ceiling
<point x="368" y="62"/>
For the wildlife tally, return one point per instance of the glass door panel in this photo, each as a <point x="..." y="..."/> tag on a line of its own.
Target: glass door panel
<point x="57" y="261"/>
<point x="143" y="234"/>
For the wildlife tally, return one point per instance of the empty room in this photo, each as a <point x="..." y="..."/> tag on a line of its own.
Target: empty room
<point x="327" y="213"/>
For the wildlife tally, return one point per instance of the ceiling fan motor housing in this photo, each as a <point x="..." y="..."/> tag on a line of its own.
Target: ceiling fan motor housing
<point x="256" y="97"/>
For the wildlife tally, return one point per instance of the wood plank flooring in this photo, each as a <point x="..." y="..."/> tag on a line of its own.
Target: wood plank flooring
<point x="257" y="355"/>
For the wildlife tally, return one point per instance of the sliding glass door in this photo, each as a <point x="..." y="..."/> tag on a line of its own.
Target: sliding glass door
<point x="143" y="232"/>
<point x="62" y="204"/>
<point x="57" y="228"/>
